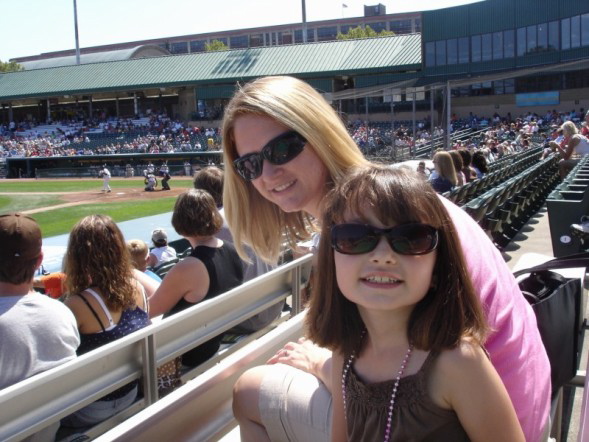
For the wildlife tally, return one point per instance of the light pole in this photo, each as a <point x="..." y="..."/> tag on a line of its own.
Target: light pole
<point x="304" y="21"/>
<point x="76" y="30"/>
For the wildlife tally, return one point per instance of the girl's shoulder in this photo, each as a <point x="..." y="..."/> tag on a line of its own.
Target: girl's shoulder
<point x="465" y="356"/>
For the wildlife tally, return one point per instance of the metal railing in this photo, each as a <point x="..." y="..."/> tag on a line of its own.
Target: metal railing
<point x="44" y="399"/>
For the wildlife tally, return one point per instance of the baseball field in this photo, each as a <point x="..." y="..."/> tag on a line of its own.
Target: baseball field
<point x="57" y="204"/>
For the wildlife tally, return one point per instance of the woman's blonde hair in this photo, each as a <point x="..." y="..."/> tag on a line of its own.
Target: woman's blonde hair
<point x="295" y="104"/>
<point x="97" y="256"/>
<point x="569" y="129"/>
<point x="446" y="166"/>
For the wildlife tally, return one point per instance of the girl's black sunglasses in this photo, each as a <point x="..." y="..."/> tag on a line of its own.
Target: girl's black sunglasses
<point x="279" y="150"/>
<point x="406" y="239"/>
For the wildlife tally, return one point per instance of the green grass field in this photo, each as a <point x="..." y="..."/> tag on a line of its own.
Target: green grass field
<point x="18" y="203"/>
<point x="59" y="221"/>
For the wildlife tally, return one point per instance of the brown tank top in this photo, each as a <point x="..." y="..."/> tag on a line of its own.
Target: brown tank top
<point x="415" y="416"/>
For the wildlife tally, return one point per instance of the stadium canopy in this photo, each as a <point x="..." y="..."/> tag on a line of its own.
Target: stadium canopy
<point x="397" y="54"/>
<point x="142" y="51"/>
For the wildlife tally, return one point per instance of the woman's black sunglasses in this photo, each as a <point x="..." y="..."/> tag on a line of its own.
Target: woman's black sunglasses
<point x="279" y="150"/>
<point x="406" y="239"/>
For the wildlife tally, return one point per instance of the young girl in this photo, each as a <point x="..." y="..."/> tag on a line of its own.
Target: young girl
<point x="399" y="312"/>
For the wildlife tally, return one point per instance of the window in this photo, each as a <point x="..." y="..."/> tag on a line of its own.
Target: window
<point x="585" y="29"/>
<point x="344" y="29"/>
<point x="327" y="33"/>
<point x="298" y="35"/>
<point x="498" y="87"/>
<point x="256" y="40"/>
<point x="575" y="31"/>
<point x="543" y="37"/>
<point x="463" y="50"/>
<point x="565" y="33"/>
<point x="532" y="39"/>
<point x="452" y="51"/>
<point x="401" y="26"/>
<point x="179" y="47"/>
<point x="475" y="47"/>
<point x="487" y="47"/>
<point x="222" y="40"/>
<point x="497" y="45"/>
<point x="553" y="34"/>
<point x="441" y="53"/>
<point x="509" y="44"/>
<point x="286" y="38"/>
<point x="377" y="27"/>
<point x="417" y="25"/>
<point x="430" y="54"/>
<point x="240" y="41"/>
<point x="521" y="41"/>
<point x="509" y="86"/>
<point x="197" y="46"/>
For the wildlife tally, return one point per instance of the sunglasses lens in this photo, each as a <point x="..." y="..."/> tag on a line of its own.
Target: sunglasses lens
<point x="413" y="239"/>
<point x="353" y="239"/>
<point x="408" y="239"/>
<point x="284" y="149"/>
<point x="249" y="166"/>
<point x="278" y="151"/>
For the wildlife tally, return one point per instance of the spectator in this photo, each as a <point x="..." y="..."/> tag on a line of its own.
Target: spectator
<point x="211" y="180"/>
<point x="107" y="301"/>
<point x="161" y="252"/>
<point x="467" y="171"/>
<point x="479" y="164"/>
<point x="585" y="126"/>
<point x="458" y="166"/>
<point x="306" y="149"/>
<point x="52" y="284"/>
<point x="571" y="148"/>
<point x="36" y="332"/>
<point x="212" y="268"/>
<point x="445" y="179"/>
<point x="421" y="170"/>
<point x="139" y="253"/>
<point x="434" y="334"/>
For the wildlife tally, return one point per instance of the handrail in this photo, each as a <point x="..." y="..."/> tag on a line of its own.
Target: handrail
<point x="35" y="403"/>
<point x="201" y="409"/>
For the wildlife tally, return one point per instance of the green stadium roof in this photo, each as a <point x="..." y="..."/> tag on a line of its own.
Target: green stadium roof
<point x="347" y="57"/>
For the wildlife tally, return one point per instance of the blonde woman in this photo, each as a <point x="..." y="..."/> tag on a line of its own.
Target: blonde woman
<point x="284" y="147"/>
<point x="445" y="178"/>
<point x="573" y="146"/>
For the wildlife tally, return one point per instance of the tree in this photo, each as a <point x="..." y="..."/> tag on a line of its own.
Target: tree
<point x="10" y="66"/>
<point x="215" y="45"/>
<point x="366" y="32"/>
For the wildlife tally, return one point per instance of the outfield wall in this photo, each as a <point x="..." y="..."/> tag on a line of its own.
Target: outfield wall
<point x="88" y="165"/>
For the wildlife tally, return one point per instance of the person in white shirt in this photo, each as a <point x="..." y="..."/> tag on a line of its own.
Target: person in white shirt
<point x="162" y="252"/>
<point x="105" y="174"/>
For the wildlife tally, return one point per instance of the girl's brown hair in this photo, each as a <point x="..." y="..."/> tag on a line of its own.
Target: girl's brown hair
<point x="449" y="311"/>
<point x="196" y="214"/>
<point x="97" y="256"/>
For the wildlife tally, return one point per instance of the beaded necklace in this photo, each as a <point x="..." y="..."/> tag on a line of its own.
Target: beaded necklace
<point x="387" y="434"/>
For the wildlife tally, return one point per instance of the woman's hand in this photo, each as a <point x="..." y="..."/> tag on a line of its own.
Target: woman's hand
<point x="307" y="356"/>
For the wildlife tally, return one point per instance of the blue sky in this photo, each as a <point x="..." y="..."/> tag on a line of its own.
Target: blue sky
<point x="30" y="27"/>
